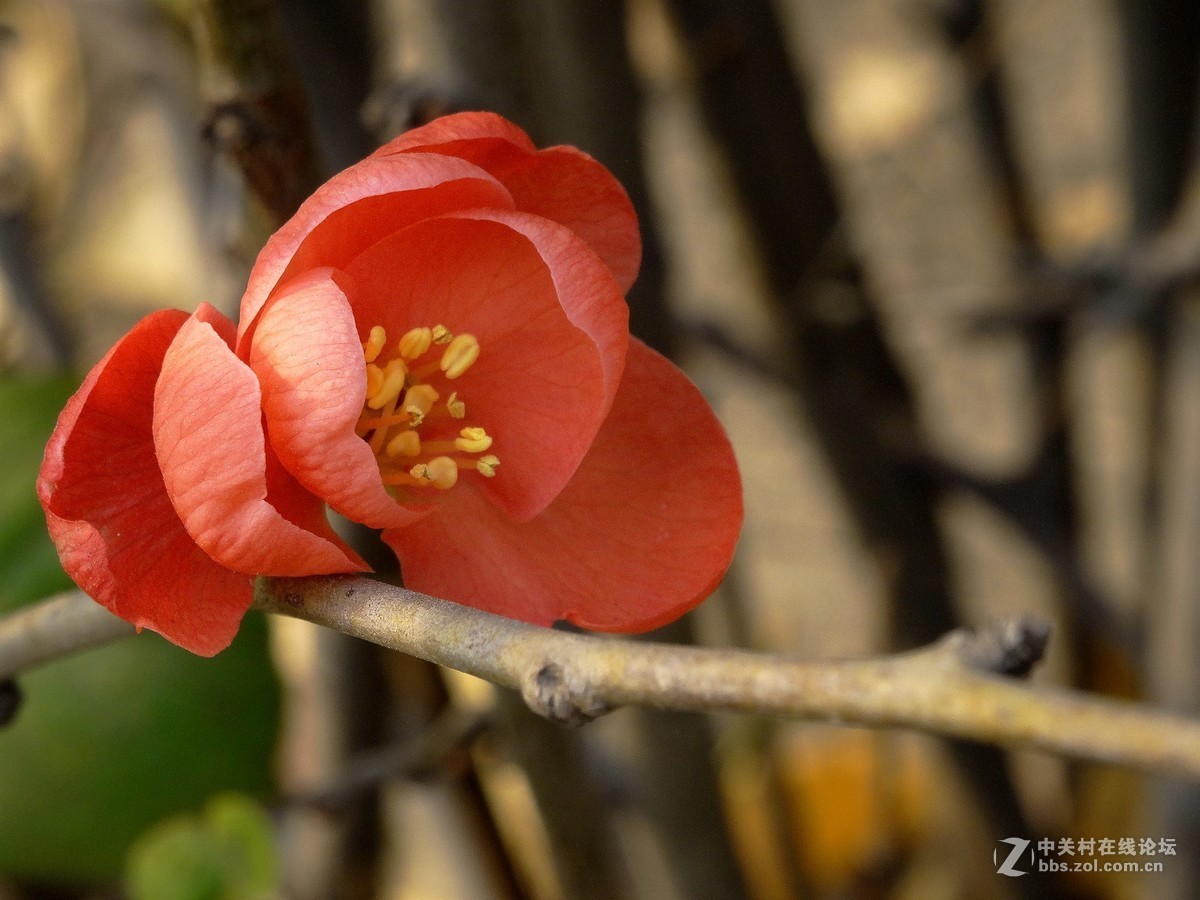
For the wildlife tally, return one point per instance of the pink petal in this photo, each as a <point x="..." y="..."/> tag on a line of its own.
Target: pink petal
<point x="108" y="512"/>
<point x="549" y="318"/>
<point x="208" y="435"/>
<point x="309" y="361"/>
<point x="643" y="533"/>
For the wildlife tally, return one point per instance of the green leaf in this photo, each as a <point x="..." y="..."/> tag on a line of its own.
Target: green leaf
<point x="114" y="739"/>
<point x="176" y="860"/>
<point x="226" y="854"/>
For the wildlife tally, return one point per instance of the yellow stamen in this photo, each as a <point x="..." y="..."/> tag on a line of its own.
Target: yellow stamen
<point x="393" y="384"/>
<point x="441" y="472"/>
<point x="418" y="401"/>
<point x="473" y="440"/>
<point x="415" y="342"/>
<point x="400" y="399"/>
<point x="406" y="443"/>
<point x="374" y="380"/>
<point x="374" y="345"/>
<point x="460" y="355"/>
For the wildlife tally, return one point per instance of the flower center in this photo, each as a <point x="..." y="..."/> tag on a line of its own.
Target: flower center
<point x="409" y="427"/>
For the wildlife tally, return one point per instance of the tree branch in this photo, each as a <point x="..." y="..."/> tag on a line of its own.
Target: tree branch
<point x="257" y="111"/>
<point x="417" y="757"/>
<point x="56" y="627"/>
<point x="950" y="687"/>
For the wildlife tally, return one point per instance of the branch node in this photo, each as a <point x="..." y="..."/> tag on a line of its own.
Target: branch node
<point x="548" y="694"/>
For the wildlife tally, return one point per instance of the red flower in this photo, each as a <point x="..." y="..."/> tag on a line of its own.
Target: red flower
<point x="435" y="345"/>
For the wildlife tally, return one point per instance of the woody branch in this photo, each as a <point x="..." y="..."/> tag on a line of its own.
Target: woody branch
<point x="957" y="686"/>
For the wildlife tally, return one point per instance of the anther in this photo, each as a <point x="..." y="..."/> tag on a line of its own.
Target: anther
<point x="393" y="384"/>
<point x="406" y="443"/>
<point x="486" y="465"/>
<point x="415" y="342"/>
<point x="441" y="334"/>
<point x="441" y="472"/>
<point x="456" y="408"/>
<point x="418" y="401"/>
<point x="374" y="380"/>
<point x="374" y="345"/>
<point x="460" y="355"/>
<point x="473" y="440"/>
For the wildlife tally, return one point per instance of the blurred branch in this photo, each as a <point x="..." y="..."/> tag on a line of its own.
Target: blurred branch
<point x="44" y="341"/>
<point x="583" y="847"/>
<point x="24" y="301"/>
<point x="56" y="627"/>
<point x="257" y="113"/>
<point x="419" y="757"/>
<point x="954" y="686"/>
<point x="441" y="56"/>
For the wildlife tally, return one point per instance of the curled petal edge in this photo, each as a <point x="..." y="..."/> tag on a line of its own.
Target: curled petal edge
<point x="208" y="436"/>
<point x="107" y="509"/>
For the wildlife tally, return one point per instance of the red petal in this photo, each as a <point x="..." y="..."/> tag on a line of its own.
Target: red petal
<point x="359" y="206"/>
<point x="643" y="533"/>
<point x="465" y="126"/>
<point x="569" y="187"/>
<point x="208" y="435"/>
<point x="562" y="184"/>
<point x="108" y="512"/>
<point x="549" y="318"/>
<point x="308" y="359"/>
<point x="586" y="291"/>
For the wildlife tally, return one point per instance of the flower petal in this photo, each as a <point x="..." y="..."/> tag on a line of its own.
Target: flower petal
<point x="592" y="301"/>
<point x="309" y="362"/>
<point x="567" y="186"/>
<point x="464" y="126"/>
<point x="549" y="318"/>
<point x="356" y="208"/>
<point x="208" y="435"/>
<point x="562" y="184"/>
<point x="108" y="512"/>
<point x="644" y="531"/>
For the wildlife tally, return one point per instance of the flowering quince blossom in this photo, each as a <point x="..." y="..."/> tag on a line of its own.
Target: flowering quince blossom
<point x="436" y="345"/>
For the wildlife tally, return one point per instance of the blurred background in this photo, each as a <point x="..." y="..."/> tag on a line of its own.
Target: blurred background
<point x="933" y="262"/>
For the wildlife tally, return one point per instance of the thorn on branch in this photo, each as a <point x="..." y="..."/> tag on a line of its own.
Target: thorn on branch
<point x="549" y="695"/>
<point x="267" y="137"/>
<point x="232" y="128"/>
<point x="10" y="701"/>
<point x="1010" y="648"/>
